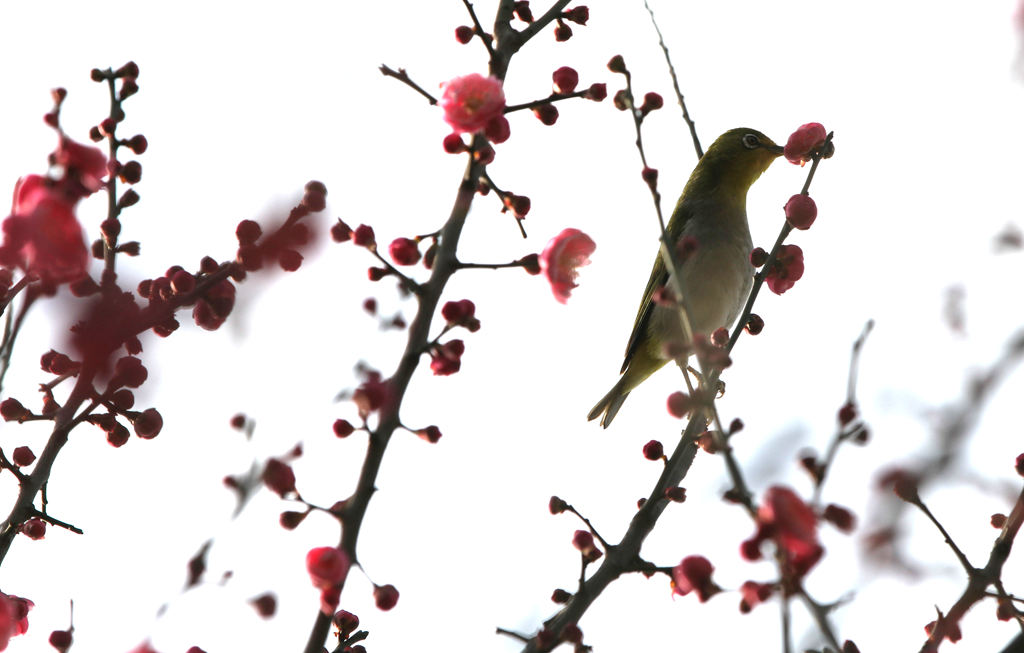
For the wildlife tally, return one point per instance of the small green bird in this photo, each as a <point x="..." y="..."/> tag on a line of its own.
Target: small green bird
<point x="716" y="275"/>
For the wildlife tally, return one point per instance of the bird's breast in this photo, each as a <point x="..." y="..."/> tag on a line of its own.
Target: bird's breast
<point x="716" y="279"/>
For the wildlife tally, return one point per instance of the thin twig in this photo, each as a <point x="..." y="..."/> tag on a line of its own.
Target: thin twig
<point x="554" y="97"/>
<point x="403" y="77"/>
<point x="960" y="556"/>
<point x="489" y="266"/>
<point x="820" y="615"/>
<point x="479" y="29"/>
<point x="675" y="84"/>
<point x="787" y="635"/>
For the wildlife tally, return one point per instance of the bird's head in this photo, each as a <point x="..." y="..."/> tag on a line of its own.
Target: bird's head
<point x="735" y="161"/>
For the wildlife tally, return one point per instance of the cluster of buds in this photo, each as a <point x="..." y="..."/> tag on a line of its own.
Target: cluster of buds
<point x="129" y="372"/>
<point x="283" y="245"/>
<point x="785" y="270"/>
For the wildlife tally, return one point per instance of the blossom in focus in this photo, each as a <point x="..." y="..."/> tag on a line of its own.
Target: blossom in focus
<point x="562" y="256"/>
<point x="786" y="270"/>
<point x="471" y="102"/>
<point x="802" y="141"/>
<point x="42" y="235"/>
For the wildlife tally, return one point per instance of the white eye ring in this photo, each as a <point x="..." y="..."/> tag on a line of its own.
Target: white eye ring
<point x="750" y="141"/>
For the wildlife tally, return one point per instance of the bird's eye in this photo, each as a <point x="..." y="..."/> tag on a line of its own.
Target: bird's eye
<point x="750" y="141"/>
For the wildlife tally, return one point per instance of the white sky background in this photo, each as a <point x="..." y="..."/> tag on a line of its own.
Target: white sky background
<point x="243" y="105"/>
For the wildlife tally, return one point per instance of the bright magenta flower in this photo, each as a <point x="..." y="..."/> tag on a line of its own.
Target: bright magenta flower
<point x="562" y="255"/>
<point x="471" y="102"/>
<point x="42" y="234"/>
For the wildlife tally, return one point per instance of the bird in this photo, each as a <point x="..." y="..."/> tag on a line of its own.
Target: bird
<point x="710" y="219"/>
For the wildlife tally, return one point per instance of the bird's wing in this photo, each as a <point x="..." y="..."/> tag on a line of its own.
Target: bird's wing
<point x="659" y="275"/>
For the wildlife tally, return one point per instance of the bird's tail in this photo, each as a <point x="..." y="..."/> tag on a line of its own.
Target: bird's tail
<point x="610" y="403"/>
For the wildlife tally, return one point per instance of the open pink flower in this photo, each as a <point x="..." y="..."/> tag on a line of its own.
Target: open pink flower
<point x="562" y="256"/>
<point x="471" y="102"/>
<point x="42" y="235"/>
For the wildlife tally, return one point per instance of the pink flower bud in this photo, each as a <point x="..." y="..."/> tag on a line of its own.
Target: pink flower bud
<point x="404" y="251"/>
<point x="23" y="456"/>
<point x="340" y="232"/>
<point x="546" y="113"/>
<point x="597" y="92"/>
<point x="343" y="428"/>
<point x="327" y="566"/>
<point x="754" y="325"/>
<point x="498" y="130"/>
<point x="652" y="102"/>
<point x="279" y="477"/>
<point x="565" y="80"/>
<point x="693" y="574"/>
<point x="385" y="597"/>
<point x="653" y="450"/>
<point x="679" y="404"/>
<point x="803" y="141"/>
<point x="557" y="505"/>
<point x="758" y="257"/>
<point x="363" y="236"/>
<point x="801" y="211"/>
<point x="453" y="143"/>
<point x="148" y="424"/>
<point x="579" y="15"/>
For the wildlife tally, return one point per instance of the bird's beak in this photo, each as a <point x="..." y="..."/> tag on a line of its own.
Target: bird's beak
<point x="773" y="148"/>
